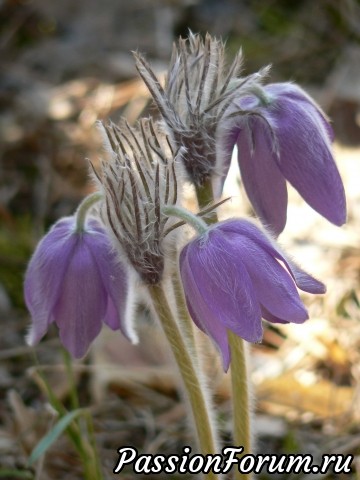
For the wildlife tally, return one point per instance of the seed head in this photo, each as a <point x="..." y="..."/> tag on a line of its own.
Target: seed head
<point x="198" y="90"/>
<point x="139" y="178"/>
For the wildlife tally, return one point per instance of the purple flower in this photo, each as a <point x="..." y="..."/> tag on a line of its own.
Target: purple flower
<point x="288" y="138"/>
<point x="234" y="275"/>
<point x="75" y="280"/>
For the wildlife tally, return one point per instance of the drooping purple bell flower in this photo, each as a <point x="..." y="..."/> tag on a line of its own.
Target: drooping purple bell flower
<point x="233" y="275"/>
<point x="285" y="137"/>
<point x="75" y="280"/>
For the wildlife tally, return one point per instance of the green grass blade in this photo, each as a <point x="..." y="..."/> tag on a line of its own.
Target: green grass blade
<point x="53" y="435"/>
<point x="17" y="474"/>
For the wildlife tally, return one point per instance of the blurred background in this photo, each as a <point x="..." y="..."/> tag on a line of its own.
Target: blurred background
<point x="65" y="65"/>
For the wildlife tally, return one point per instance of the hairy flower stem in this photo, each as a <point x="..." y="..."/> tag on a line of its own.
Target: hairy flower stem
<point x="185" y="322"/>
<point x="240" y="398"/>
<point x="198" y="400"/>
<point x="83" y="208"/>
<point x="239" y="380"/>
<point x="196" y="222"/>
<point x="205" y="197"/>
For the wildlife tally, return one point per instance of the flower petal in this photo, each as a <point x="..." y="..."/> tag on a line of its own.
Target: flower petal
<point x="303" y="280"/>
<point x="79" y="311"/>
<point x="263" y="181"/>
<point x="274" y="286"/>
<point x="270" y="317"/>
<point x="306" y="160"/>
<point x="115" y="280"/>
<point x="225" y="143"/>
<point x="225" y="285"/>
<point x="44" y="276"/>
<point x="294" y="92"/>
<point x="200" y="312"/>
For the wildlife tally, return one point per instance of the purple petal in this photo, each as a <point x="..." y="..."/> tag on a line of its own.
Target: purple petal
<point x="225" y="143"/>
<point x="273" y="284"/>
<point x="294" y="92"/>
<point x="115" y="280"/>
<point x="306" y="160"/>
<point x="112" y="318"/>
<point x="226" y="137"/>
<point x="264" y="183"/>
<point x="270" y="317"/>
<point x="225" y="285"/>
<point x="82" y="303"/>
<point x="200" y="312"/>
<point x="303" y="280"/>
<point x="45" y="274"/>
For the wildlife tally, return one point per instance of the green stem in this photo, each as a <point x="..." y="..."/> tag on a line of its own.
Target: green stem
<point x="71" y="379"/>
<point x="239" y="377"/>
<point x="240" y="397"/>
<point x="205" y="197"/>
<point x="265" y="99"/>
<point x="95" y="464"/>
<point x="199" y="403"/>
<point x="196" y="222"/>
<point x="83" y="208"/>
<point x="88" y="455"/>
<point x="183" y="316"/>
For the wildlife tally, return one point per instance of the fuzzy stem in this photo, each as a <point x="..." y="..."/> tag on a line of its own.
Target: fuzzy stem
<point x="205" y="196"/>
<point x="240" y="397"/>
<point x="183" y="316"/>
<point x="83" y="208"/>
<point x="196" y="222"/>
<point x="265" y="99"/>
<point x="199" y="402"/>
<point x="239" y="380"/>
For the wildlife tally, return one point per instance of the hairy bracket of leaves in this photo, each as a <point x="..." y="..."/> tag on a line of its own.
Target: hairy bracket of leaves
<point x="139" y="178"/>
<point x="198" y="90"/>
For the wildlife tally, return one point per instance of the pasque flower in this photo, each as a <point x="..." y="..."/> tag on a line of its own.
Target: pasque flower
<point x="233" y="275"/>
<point x="75" y="280"/>
<point x="283" y="136"/>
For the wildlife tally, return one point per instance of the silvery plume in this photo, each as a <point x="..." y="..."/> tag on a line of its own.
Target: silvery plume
<point x="198" y="90"/>
<point x="138" y="179"/>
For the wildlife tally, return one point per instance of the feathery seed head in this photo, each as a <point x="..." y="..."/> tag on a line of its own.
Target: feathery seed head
<point x="139" y="178"/>
<point x="198" y="90"/>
